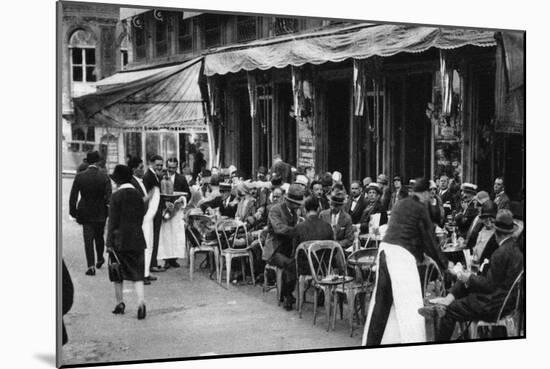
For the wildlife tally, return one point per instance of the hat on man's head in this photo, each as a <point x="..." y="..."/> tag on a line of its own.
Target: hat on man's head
<point x="482" y="197"/>
<point x="295" y="194"/>
<point x="225" y="187"/>
<point x="262" y="170"/>
<point x="411" y="184"/>
<point x="374" y="186"/>
<point x="301" y="179"/>
<point x="397" y="178"/>
<point x="92" y="157"/>
<point x="336" y="176"/>
<point x="382" y="179"/>
<point x="421" y="185"/>
<point x="504" y="222"/>
<point x="232" y="168"/>
<point x="469" y="188"/>
<point x="338" y="198"/>
<point x="432" y="184"/>
<point x="121" y="174"/>
<point x="488" y="209"/>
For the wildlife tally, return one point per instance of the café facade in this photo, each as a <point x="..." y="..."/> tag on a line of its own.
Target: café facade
<point x="365" y="99"/>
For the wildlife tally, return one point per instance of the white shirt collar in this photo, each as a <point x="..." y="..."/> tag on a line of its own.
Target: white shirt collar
<point x="126" y="185"/>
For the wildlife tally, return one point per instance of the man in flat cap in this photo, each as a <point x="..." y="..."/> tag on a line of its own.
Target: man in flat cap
<point x="94" y="187"/>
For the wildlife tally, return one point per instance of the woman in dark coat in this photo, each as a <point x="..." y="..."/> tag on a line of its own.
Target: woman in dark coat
<point x="125" y="236"/>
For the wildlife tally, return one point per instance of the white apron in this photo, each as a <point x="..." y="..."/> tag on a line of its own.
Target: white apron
<point x="147" y="226"/>
<point x="172" y="242"/>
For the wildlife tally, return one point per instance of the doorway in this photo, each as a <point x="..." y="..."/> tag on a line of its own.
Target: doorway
<point x="338" y="114"/>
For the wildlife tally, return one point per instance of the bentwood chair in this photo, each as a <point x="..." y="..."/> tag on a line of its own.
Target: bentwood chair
<point x="362" y="262"/>
<point x="197" y="246"/>
<point x="233" y="242"/>
<point x="509" y="316"/>
<point x="303" y="279"/>
<point x="328" y="269"/>
<point x="276" y="270"/>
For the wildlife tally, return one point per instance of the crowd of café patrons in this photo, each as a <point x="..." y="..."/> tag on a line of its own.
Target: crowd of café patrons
<point x="283" y="206"/>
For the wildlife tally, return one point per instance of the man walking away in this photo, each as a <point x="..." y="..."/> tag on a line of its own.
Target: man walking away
<point x="90" y="211"/>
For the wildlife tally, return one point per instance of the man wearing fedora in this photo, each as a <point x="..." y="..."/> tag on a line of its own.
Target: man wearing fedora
<point x="385" y="198"/>
<point x="480" y="297"/>
<point x="469" y="210"/>
<point x="357" y="203"/>
<point x="94" y="188"/>
<point x="399" y="192"/>
<point x="281" y="223"/>
<point x="481" y="240"/>
<point x="340" y="221"/>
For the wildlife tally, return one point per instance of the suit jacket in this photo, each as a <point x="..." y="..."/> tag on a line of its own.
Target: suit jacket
<point x="311" y="229"/>
<point x="502" y="201"/>
<point x="465" y="218"/>
<point x="396" y="196"/>
<point x="411" y="228"/>
<point x="94" y="188"/>
<point x="181" y="185"/>
<point x="217" y="202"/>
<point x="358" y="210"/>
<point x="281" y="230"/>
<point x="151" y="180"/>
<point x="124" y="232"/>
<point x="385" y="198"/>
<point x="450" y="197"/>
<point x="365" y="216"/>
<point x="137" y="186"/>
<point x="485" y="294"/>
<point x="343" y="233"/>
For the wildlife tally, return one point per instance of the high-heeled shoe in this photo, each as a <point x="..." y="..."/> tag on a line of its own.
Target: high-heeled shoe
<point x="141" y="312"/>
<point x="119" y="309"/>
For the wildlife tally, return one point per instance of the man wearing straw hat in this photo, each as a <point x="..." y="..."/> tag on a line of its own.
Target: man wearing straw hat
<point x="480" y="297"/>
<point x="282" y="219"/>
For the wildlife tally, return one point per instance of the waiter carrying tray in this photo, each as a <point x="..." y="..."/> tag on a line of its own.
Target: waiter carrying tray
<point x="397" y="296"/>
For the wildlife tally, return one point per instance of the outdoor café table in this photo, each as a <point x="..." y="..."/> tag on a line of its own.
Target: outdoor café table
<point x="330" y="283"/>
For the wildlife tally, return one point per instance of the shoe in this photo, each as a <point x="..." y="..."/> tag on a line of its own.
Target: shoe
<point x="157" y="269"/>
<point x="174" y="264"/>
<point x="151" y="278"/>
<point x="288" y="304"/>
<point x="433" y="311"/>
<point x="90" y="271"/>
<point x="146" y="282"/>
<point x="141" y="312"/>
<point x="166" y="266"/>
<point x="119" y="309"/>
<point x="100" y="263"/>
<point x="291" y="299"/>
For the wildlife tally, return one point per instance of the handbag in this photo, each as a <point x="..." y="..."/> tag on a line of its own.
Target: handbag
<point x="114" y="268"/>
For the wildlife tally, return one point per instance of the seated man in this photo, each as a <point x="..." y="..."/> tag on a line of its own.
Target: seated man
<point x="226" y="203"/>
<point x="282" y="220"/>
<point x="478" y="297"/>
<point x="339" y="220"/>
<point x="374" y="206"/>
<point x="469" y="210"/>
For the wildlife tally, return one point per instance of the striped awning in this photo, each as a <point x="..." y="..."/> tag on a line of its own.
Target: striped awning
<point x="335" y="44"/>
<point x="160" y="98"/>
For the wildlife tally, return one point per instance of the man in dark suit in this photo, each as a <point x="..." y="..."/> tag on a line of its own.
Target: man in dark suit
<point x="501" y="199"/>
<point x="480" y="297"/>
<point x="226" y="202"/>
<point x="448" y="198"/>
<point x="151" y="178"/>
<point x="94" y="188"/>
<point x="180" y="185"/>
<point x="356" y="204"/>
<point x="318" y="192"/>
<point x="399" y="192"/>
<point x="339" y="220"/>
<point x="282" y="219"/>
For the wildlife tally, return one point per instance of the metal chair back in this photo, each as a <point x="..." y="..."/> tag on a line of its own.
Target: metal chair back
<point x="322" y="258"/>
<point x="229" y="232"/>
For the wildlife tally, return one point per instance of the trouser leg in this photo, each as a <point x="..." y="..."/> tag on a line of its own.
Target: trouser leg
<point x="99" y="230"/>
<point x="383" y="301"/>
<point x="289" y="272"/>
<point x="458" y="311"/>
<point x="88" y="234"/>
<point x="157" y="220"/>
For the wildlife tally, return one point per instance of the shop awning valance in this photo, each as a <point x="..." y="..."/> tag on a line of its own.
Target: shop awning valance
<point x="339" y="43"/>
<point x="161" y="98"/>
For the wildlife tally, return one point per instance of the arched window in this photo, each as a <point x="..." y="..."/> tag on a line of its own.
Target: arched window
<point x="82" y="45"/>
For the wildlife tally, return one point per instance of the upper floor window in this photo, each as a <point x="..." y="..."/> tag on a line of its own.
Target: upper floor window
<point x="283" y="26"/>
<point x="185" y="35"/>
<point x="140" y="38"/>
<point x="212" y="30"/>
<point x="246" y="28"/>
<point x="83" y="63"/>
<point x="161" y="37"/>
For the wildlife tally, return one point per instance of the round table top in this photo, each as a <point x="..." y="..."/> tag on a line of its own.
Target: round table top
<point x="362" y="260"/>
<point x="174" y="194"/>
<point x="337" y="279"/>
